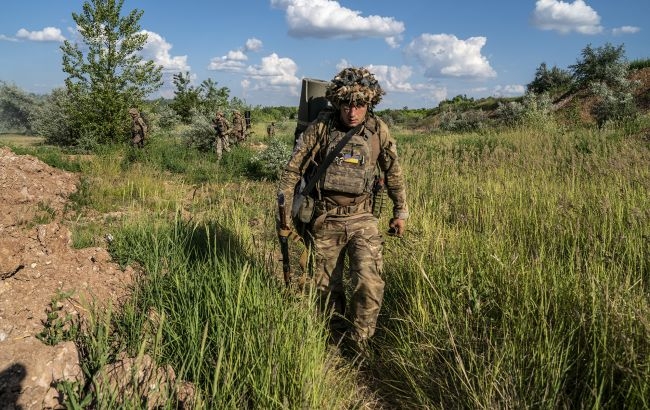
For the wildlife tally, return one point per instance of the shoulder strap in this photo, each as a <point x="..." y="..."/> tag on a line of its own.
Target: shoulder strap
<point x="329" y="158"/>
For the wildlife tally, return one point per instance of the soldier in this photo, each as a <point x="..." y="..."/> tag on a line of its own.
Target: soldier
<point x="238" y="127"/>
<point x="342" y="222"/>
<point x="222" y="129"/>
<point x="138" y="128"/>
<point x="270" y="130"/>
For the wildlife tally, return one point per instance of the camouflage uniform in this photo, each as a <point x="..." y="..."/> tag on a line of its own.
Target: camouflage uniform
<point x="270" y="130"/>
<point x="222" y="128"/>
<point x="138" y="128"/>
<point x="238" y="127"/>
<point x="343" y="222"/>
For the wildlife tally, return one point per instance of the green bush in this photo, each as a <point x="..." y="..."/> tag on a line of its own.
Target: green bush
<point x="269" y="163"/>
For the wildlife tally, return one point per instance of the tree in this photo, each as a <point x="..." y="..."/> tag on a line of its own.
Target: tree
<point x="186" y="97"/>
<point x="107" y="75"/>
<point x="606" y="64"/>
<point x="205" y="99"/>
<point x="16" y="108"/>
<point x="549" y="80"/>
<point x="213" y="98"/>
<point x="604" y="72"/>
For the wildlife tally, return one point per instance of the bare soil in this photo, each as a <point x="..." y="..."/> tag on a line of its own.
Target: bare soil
<point x="37" y="266"/>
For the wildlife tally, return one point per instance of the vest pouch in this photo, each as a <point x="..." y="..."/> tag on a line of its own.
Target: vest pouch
<point x="303" y="208"/>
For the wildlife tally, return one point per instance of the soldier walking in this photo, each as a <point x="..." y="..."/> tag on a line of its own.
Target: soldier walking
<point x="342" y="223"/>
<point x="222" y="129"/>
<point x="138" y="128"/>
<point x="238" y="127"/>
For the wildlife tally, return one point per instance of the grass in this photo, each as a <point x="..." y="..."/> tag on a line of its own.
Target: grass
<point x="521" y="283"/>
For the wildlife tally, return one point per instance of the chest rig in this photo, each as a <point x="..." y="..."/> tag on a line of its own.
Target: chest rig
<point x="353" y="169"/>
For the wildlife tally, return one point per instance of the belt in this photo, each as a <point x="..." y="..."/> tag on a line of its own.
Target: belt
<point x="339" y="210"/>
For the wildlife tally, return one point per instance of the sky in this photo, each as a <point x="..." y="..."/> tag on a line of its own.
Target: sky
<point x="421" y="51"/>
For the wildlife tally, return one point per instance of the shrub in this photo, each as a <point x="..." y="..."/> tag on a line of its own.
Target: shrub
<point x="199" y="134"/>
<point x="269" y="163"/>
<point x="455" y="121"/>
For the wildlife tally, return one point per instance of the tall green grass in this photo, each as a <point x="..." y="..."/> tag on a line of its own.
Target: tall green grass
<point x="521" y="283"/>
<point x="526" y="283"/>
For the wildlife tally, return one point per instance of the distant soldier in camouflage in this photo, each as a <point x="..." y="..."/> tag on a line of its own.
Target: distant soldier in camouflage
<point x="222" y="129"/>
<point x="343" y="222"/>
<point x="138" y="128"/>
<point x="270" y="130"/>
<point x="238" y="127"/>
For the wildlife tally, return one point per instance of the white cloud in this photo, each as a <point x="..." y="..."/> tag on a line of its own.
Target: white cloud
<point x="566" y="17"/>
<point x="224" y="63"/>
<point x="625" y="30"/>
<point x="47" y="34"/>
<point x="7" y="38"/>
<point x="393" y="41"/>
<point x="392" y="78"/>
<point x="509" y="90"/>
<point x="444" y="55"/>
<point x="274" y="71"/>
<point x="328" y="19"/>
<point x="253" y="44"/>
<point x="157" y="49"/>
<point x="234" y="59"/>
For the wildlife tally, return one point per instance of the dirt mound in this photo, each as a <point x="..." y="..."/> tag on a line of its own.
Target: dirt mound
<point x="37" y="266"/>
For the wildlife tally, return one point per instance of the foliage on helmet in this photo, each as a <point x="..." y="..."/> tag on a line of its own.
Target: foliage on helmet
<point x="354" y="86"/>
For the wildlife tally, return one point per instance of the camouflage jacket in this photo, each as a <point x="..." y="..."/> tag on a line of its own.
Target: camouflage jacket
<point x="239" y="127"/>
<point x="314" y="143"/>
<point x="221" y="125"/>
<point x="138" y="128"/>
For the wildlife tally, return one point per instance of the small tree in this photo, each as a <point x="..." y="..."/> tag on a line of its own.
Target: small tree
<point x="604" y="72"/>
<point x="107" y="75"/>
<point x="186" y="97"/>
<point x="213" y="98"/>
<point x="606" y="64"/>
<point x="51" y="119"/>
<point x="547" y="81"/>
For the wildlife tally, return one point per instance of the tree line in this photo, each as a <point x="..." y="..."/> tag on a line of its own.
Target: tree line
<point x="106" y="76"/>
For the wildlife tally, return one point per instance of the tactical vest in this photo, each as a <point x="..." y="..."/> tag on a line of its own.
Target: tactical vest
<point x="352" y="171"/>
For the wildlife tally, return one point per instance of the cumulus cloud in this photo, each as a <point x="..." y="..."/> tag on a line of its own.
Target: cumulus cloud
<point x="158" y="50"/>
<point x="253" y="44"/>
<point x="7" y="38"/>
<point x="328" y="19"/>
<point x="509" y="90"/>
<point x="47" y="34"/>
<point x="625" y="30"/>
<point x="274" y="71"/>
<point x="566" y="17"/>
<point x="234" y="60"/>
<point x="445" y="55"/>
<point x="392" y="78"/>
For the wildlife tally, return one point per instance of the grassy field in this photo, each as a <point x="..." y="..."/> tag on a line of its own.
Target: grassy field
<point x="523" y="281"/>
<point x="18" y="140"/>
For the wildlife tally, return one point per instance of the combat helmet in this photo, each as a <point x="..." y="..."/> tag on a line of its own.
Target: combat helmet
<point x="133" y="111"/>
<point x="354" y="86"/>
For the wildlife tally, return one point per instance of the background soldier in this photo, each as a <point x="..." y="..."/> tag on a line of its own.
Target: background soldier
<point x="222" y="129"/>
<point x="342" y="223"/>
<point x="238" y="127"/>
<point x="138" y="128"/>
<point x="270" y="130"/>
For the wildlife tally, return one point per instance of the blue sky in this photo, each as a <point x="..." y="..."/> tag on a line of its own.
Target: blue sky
<point x="421" y="51"/>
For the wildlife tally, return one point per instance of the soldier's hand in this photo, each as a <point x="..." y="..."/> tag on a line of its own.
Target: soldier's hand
<point x="397" y="227"/>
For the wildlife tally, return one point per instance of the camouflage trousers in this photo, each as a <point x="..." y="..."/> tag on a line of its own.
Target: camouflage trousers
<point x="358" y="237"/>
<point x="221" y="145"/>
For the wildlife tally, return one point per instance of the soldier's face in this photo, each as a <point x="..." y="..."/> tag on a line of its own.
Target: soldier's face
<point x="353" y="115"/>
